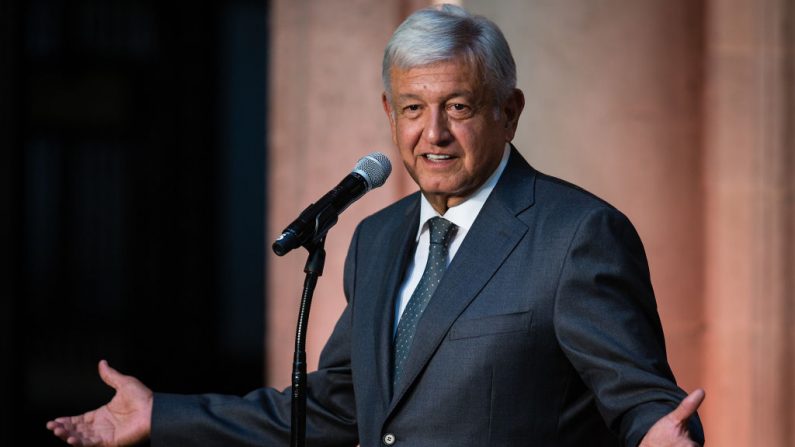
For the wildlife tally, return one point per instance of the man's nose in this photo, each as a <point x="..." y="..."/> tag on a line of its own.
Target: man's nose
<point x="437" y="130"/>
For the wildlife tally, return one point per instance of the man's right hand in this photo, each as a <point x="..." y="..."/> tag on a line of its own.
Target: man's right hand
<point x="125" y="420"/>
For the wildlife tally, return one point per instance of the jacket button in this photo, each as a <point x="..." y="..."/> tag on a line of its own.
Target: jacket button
<point x="389" y="439"/>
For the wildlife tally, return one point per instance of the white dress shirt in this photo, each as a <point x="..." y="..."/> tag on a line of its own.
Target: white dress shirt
<point x="462" y="215"/>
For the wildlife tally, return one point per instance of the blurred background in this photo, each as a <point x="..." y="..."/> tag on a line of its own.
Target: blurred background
<point x="133" y="170"/>
<point x="152" y="150"/>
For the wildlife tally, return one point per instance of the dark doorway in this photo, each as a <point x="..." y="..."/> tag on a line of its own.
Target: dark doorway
<point x="133" y="172"/>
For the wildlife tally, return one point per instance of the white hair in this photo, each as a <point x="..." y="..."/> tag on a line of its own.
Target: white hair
<point x="442" y="33"/>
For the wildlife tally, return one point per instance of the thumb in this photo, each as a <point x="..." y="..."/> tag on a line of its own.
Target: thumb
<point x="109" y="375"/>
<point x="688" y="406"/>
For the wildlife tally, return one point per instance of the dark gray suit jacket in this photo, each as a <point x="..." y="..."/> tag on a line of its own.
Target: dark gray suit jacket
<point x="543" y="332"/>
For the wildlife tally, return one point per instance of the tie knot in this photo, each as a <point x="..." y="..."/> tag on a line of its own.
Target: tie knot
<point x="440" y="230"/>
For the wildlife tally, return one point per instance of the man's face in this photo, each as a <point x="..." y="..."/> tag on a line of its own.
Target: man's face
<point x="448" y="130"/>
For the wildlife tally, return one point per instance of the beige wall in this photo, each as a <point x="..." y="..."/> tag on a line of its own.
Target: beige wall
<point x="679" y="112"/>
<point x="324" y="116"/>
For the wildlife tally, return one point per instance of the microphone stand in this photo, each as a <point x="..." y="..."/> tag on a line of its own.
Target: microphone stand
<point x="313" y="269"/>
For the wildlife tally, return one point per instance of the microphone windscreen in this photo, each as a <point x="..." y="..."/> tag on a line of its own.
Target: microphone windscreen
<point x="375" y="168"/>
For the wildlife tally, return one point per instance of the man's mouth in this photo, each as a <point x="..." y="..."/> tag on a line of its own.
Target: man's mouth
<point x="438" y="156"/>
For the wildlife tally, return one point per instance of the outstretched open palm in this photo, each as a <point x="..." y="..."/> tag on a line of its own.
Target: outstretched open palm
<point x="125" y="420"/>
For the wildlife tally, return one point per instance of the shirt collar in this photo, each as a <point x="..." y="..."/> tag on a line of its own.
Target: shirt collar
<point x="464" y="214"/>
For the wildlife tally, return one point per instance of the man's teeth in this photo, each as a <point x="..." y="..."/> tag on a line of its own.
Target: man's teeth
<point x="437" y="157"/>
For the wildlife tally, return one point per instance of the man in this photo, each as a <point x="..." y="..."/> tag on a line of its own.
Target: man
<point x="498" y="307"/>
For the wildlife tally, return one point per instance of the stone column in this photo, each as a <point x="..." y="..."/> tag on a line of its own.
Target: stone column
<point x="750" y="237"/>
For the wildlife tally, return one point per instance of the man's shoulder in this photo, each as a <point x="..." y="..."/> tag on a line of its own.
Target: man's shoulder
<point x="567" y="204"/>
<point x="554" y="190"/>
<point x="524" y="188"/>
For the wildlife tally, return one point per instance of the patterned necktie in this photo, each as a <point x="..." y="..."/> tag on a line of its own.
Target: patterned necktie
<point x="437" y="263"/>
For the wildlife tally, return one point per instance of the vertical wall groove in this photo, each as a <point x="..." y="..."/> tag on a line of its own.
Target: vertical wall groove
<point x="787" y="416"/>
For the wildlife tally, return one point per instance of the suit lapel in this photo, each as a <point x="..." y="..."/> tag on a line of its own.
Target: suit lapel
<point x="385" y="277"/>
<point x="493" y="236"/>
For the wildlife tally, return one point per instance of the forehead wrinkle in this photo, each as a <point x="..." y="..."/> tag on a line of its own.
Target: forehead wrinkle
<point x="434" y="82"/>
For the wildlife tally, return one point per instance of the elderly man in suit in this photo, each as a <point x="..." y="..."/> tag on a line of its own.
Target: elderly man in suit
<point x="498" y="306"/>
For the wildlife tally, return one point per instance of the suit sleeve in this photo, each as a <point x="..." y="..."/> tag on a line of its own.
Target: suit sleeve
<point x="607" y="324"/>
<point x="262" y="418"/>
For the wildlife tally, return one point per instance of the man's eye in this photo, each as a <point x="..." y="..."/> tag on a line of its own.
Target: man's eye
<point x="458" y="110"/>
<point x="412" y="108"/>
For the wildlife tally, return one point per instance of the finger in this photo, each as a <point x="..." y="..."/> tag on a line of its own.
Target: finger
<point x="688" y="406"/>
<point x="109" y="375"/>
<point x="56" y="427"/>
<point x="64" y="423"/>
<point x="59" y="431"/>
<point x="64" y="419"/>
<point x="62" y="432"/>
<point x="77" y="439"/>
<point x="73" y="433"/>
<point x="71" y="430"/>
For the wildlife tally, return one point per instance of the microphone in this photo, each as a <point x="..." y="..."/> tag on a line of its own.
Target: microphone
<point x="371" y="171"/>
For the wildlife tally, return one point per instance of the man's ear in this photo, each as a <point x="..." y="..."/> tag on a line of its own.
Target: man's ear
<point x="387" y="106"/>
<point x="512" y="109"/>
<point x="390" y="115"/>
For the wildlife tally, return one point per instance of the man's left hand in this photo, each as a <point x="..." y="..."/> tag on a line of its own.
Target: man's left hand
<point x="671" y="430"/>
